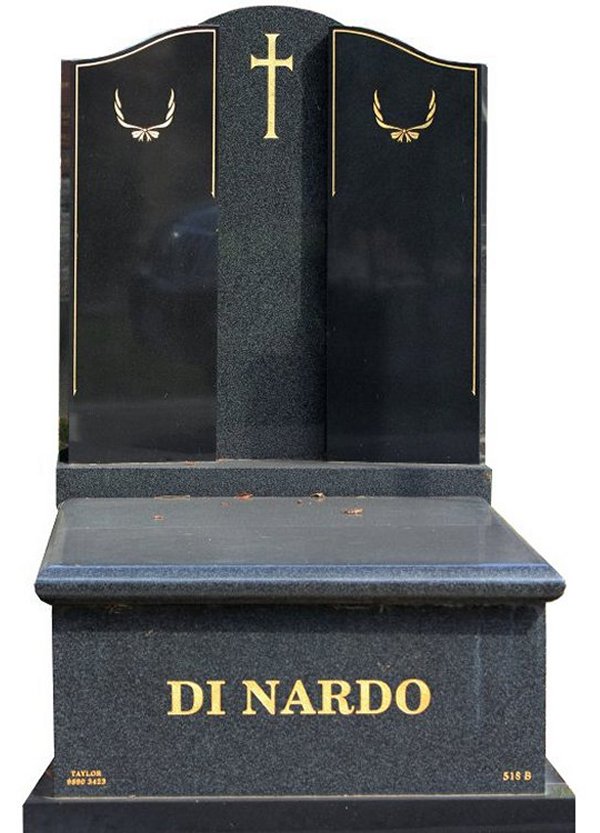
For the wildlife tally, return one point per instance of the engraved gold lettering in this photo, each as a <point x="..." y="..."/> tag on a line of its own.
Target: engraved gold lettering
<point x="424" y="696"/>
<point x="177" y="697"/>
<point x="216" y="697"/>
<point x="364" y="697"/>
<point x="298" y="697"/>
<point x="328" y="697"/>
<point x="267" y="701"/>
<point x="271" y="63"/>
<point x="85" y="778"/>
<point x="517" y="775"/>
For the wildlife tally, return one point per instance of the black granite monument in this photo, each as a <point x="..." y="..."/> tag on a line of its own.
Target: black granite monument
<point x="281" y="599"/>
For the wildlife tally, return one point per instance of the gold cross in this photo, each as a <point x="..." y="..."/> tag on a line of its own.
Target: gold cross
<point x="271" y="62"/>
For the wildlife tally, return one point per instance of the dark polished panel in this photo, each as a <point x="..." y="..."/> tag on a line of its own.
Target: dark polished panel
<point x="405" y="370"/>
<point x="140" y="366"/>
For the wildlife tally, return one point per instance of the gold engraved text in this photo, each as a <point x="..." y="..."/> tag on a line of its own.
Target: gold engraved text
<point x="85" y="778"/>
<point x="517" y="775"/>
<point x="267" y="700"/>
<point x="195" y="697"/>
<point x="321" y="697"/>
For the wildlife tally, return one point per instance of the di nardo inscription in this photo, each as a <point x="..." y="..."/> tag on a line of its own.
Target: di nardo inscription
<point x="241" y="700"/>
<point x="374" y="697"/>
<point x="326" y="182"/>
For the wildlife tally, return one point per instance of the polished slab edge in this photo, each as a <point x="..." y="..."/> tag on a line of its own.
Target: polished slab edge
<point x="281" y="583"/>
<point x="550" y="812"/>
<point x="271" y="477"/>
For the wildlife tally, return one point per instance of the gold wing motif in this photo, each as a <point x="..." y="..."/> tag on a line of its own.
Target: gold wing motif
<point x="144" y="134"/>
<point x="399" y="134"/>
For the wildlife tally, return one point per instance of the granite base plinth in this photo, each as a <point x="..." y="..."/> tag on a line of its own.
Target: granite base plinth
<point x="274" y="646"/>
<point x="550" y="812"/>
<point x="296" y="478"/>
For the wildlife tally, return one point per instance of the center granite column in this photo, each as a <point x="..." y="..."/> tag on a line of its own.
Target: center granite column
<point x="272" y="197"/>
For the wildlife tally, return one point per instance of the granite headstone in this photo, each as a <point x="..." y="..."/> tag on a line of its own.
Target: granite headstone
<point x="281" y="599"/>
<point x="347" y="251"/>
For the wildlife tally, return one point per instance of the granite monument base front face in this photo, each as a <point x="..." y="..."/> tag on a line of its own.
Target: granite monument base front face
<point x="312" y="700"/>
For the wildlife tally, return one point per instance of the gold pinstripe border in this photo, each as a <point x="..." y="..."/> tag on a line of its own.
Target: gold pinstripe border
<point x="213" y="188"/>
<point x="447" y="65"/>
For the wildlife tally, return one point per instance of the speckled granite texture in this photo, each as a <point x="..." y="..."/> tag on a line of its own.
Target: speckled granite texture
<point x="272" y="201"/>
<point x="484" y="667"/>
<point x="269" y="477"/>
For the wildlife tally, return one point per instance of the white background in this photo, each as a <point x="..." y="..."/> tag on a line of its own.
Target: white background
<point x="543" y="307"/>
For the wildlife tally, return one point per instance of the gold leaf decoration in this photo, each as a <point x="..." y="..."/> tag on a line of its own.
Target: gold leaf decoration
<point x="144" y="134"/>
<point x="401" y="134"/>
